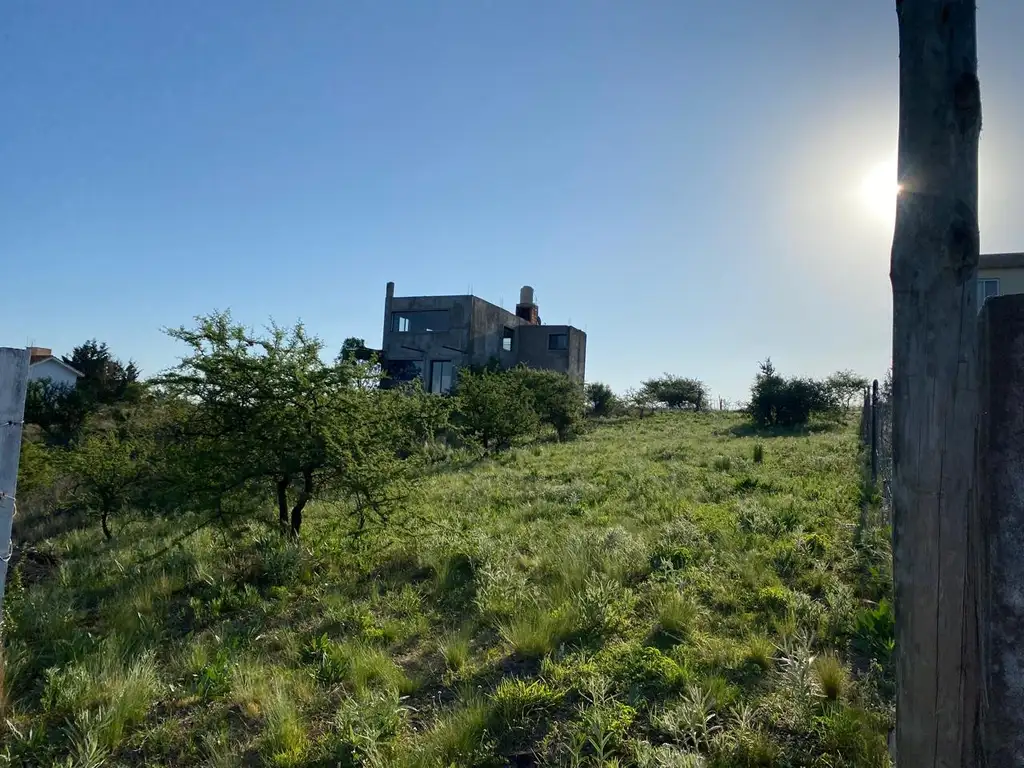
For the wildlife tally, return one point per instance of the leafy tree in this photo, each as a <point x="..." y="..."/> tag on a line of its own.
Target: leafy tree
<point x="677" y="392"/>
<point x="62" y="410"/>
<point x="270" y="411"/>
<point x="639" y="400"/>
<point x="105" y="379"/>
<point x="355" y="349"/>
<point x="109" y="467"/>
<point x="846" y="386"/>
<point x="601" y="401"/>
<point x="58" y="409"/>
<point x="557" y="399"/>
<point x="494" y="407"/>
<point x="776" y="401"/>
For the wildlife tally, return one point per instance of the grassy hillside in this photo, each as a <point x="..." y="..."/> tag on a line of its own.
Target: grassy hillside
<point x="647" y="595"/>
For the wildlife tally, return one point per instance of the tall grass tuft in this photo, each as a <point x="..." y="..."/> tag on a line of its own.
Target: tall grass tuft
<point x="284" y="739"/>
<point x="454" y="647"/>
<point x="758" y="453"/>
<point x="537" y="632"/>
<point x="676" y="614"/>
<point x="830" y="675"/>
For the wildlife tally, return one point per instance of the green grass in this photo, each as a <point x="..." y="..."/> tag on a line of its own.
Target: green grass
<point x="680" y="590"/>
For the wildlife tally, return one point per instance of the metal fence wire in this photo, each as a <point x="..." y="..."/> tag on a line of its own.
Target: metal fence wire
<point x="876" y="433"/>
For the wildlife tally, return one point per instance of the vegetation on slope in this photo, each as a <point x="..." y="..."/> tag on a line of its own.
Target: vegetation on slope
<point x="677" y="591"/>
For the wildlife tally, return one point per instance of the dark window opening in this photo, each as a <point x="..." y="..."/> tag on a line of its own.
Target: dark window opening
<point x="558" y="341"/>
<point x="441" y="374"/>
<point x="506" y="339"/>
<point x="429" y="321"/>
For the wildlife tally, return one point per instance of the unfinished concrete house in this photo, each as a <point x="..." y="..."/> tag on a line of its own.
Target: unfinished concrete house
<point x="430" y="337"/>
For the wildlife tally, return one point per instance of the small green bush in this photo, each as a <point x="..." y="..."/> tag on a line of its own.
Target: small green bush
<point x="775" y="401"/>
<point x="557" y="399"/>
<point x="494" y="407"/>
<point x="601" y="401"/>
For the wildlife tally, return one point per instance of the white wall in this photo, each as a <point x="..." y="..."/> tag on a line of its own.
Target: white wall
<point x="52" y="370"/>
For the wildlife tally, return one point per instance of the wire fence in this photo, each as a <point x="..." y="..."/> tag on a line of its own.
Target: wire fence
<point x="876" y="433"/>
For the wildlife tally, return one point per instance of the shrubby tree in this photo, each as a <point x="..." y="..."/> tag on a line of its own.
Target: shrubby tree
<point x="677" y="392"/>
<point x="355" y="349"/>
<point x="776" y="401"/>
<point x="57" y="409"/>
<point x="110" y="467"/>
<point x="105" y="379"/>
<point x="601" y="401"/>
<point x="270" y="412"/>
<point x="557" y="399"/>
<point x="639" y="400"/>
<point x="846" y="386"/>
<point x="494" y="407"/>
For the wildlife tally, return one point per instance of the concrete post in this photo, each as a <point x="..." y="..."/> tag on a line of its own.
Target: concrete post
<point x="13" y="387"/>
<point x="998" y="564"/>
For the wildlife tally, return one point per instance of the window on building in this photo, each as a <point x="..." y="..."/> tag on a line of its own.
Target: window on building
<point x="558" y="341"/>
<point x="506" y="339"/>
<point x="428" y="321"/>
<point x="441" y="374"/>
<point x="987" y="286"/>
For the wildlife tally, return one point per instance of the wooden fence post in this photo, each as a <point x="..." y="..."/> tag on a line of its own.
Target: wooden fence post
<point x="13" y="387"/>
<point x="864" y="413"/>
<point x="935" y="399"/>
<point x="998" y="562"/>
<point x="874" y="432"/>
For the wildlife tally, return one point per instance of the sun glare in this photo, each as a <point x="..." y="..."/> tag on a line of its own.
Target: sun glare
<point x="879" y="189"/>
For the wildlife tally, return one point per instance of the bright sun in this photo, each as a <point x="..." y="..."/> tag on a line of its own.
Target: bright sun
<point x="878" y="190"/>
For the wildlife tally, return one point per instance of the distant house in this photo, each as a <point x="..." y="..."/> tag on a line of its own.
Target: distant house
<point x="1000" y="274"/>
<point x="431" y="337"/>
<point x="43" y="365"/>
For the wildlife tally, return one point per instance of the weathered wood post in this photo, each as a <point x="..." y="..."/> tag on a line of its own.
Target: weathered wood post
<point x="1000" y="530"/>
<point x="874" y="432"/>
<point x="13" y="387"/>
<point x="935" y="410"/>
<point x="864" y="412"/>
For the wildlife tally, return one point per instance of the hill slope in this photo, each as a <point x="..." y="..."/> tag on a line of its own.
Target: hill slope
<point x="648" y="594"/>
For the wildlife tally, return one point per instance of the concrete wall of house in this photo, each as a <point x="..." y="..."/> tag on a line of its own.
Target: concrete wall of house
<point x="489" y="323"/>
<point x="52" y="370"/>
<point x="534" y="349"/>
<point x="425" y="348"/>
<point x="1011" y="280"/>
<point x="577" y="354"/>
<point x="476" y="330"/>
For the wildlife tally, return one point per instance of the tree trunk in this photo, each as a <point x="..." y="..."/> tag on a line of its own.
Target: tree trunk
<point x="935" y="398"/>
<point x="103" y="524"/>
<point x="282" y="501"/>
<point x="304" y="496"/>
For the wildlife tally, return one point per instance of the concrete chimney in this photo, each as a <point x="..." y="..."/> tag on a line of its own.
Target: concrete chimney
<point x="389" y="294"/>
<point x="527" y="308"/>
<point x="39" y="353"/>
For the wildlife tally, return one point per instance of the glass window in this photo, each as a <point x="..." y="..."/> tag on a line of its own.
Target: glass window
<point x="558" y="341"/>
<point x="429" y="321"/>
<point x="506" y="339"/>
<point x="988" y="286"/>
<point x="441" y="372"/>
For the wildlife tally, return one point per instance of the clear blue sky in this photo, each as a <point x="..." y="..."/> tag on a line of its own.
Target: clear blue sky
<point x="681" y="179"/>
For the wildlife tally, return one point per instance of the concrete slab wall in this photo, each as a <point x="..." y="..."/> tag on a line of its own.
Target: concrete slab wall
<point x="489" y="323"/>
<point x="452" y="344"/>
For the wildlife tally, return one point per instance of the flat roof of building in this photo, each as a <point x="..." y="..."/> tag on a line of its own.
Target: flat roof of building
<point x="1001" y="260"/>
